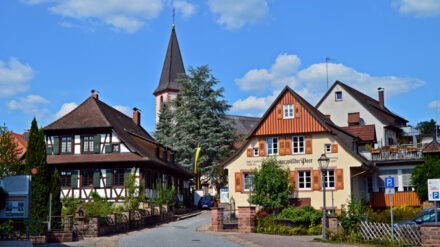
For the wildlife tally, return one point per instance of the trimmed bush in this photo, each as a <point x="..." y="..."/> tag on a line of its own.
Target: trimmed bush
<point x="306" y="216"/>
<point x="399" y="213"/>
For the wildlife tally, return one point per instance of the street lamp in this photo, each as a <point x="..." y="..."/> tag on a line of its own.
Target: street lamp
<point x="323" y="164"/>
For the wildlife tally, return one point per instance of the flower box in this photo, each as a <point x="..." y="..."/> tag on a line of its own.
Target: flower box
<point x="375" y="151"/>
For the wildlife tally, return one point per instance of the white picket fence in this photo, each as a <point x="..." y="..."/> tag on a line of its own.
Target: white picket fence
<point x="407" y="235"/>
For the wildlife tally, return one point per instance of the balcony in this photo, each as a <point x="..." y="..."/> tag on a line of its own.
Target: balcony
<point x="381" y="200"/>
<point x="392" y="154"/>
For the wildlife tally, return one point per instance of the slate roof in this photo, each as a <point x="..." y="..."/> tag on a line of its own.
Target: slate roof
<point x="242" y="124"/>
<point x="172" y="66"/>
<point x="382" y="113"/>
<point x="364" y="132"/>
<point x="93" y="113"/>
<point x="432" y="147"/>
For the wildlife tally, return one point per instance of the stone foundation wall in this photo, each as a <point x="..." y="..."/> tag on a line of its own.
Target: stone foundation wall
<point x="246" y="219"/>
<point x="430" y="235"/>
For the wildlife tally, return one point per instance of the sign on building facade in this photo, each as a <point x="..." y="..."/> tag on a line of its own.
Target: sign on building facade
<point x="17" y="202"/>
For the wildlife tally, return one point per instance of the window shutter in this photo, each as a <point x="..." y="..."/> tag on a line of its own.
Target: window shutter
<point x="108" y="148"/>
<point x="292" y="179"/>
<point x="127" y="174"/>
<point x="279" y="111"/>
<point x="75" y="179"/>
<point x="316" y="179"/>
<point x="49" y="150"/>
<point x="56" y="145"/>
<point x="288" y="146"/>
<point x="282" y="146"/>
<point x="309" y="145"/>
<point x="262" y="148"/>
<point x="108" y="178"/>
<point x="96" y="179"/>
<point x="97" y="144"/>
<point x="339" y="173"/>
<point x="249" y="152"/>
<point x="334" y="148"/>
<point x="297" y="111"/>
<point x="238" y="182"/>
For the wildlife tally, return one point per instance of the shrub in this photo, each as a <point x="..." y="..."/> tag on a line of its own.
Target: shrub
<point x="5" y="229"/>
<point x="305" y="216"/>
<point x="269" y="225"/>
<point x="353" y="214"/>
<point x="97" y="206"/>
<point x="399" y="213"/>
<point x="70" y="205"/>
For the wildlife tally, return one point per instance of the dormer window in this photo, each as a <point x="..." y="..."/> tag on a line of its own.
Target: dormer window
<point x="288" y="111"/>
<point x="338" y="96"/>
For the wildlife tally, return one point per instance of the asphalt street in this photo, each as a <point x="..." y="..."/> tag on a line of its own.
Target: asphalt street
<point x="181" y="233"/>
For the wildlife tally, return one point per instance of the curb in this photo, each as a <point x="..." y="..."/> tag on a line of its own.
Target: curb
<point x="187" y="216"/>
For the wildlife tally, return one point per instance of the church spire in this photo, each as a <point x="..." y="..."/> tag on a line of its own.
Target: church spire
<point x="172" y="67"/>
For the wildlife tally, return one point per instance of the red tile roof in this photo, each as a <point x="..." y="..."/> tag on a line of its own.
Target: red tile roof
<point x="432" y="147"/>
<point x="365" y="132"/>
<point x="21" y="142"/>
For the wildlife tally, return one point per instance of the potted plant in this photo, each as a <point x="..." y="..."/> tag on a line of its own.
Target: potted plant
<point x="375" y="151"/>
<point x="412" y="149"/>
<point x="394" y="150"/>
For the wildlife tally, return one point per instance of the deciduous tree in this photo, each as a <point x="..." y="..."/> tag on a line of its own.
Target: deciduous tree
<point x="10" y="163"/>
<point x="420" y="175"/>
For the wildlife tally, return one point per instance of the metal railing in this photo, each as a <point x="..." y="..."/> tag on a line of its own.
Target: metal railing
<point x="385" y="155"/>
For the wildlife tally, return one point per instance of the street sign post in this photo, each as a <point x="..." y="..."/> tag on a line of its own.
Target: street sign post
<point x="389" y="189"/>
<point x="434" y="194"/>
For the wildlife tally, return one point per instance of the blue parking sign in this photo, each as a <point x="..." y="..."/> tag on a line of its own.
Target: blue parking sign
<point x="389" y="182"/>
<point x="436" y="195"/>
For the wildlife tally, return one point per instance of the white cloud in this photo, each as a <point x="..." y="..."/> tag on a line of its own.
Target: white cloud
<point x="14" y="77"/>
<point x="418" y="8"/>
<point x="123" y="109"/>
<point x="434" y="104"/>
<point x="235" y="14"/>
<point x="280" y="74"/>
<point x="127" y="15"/>
<point x="187" y="9"/>
<point x="310" y="82"/>
<point x="32" y="104"/>
<point x="65" y="108"/>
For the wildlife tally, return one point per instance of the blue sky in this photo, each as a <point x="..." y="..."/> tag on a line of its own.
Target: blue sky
<point x="53" y="52"/>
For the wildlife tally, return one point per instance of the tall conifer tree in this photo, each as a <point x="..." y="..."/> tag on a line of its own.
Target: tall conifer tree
<point x="36" y="158"/>
<point x="195" y="119"/>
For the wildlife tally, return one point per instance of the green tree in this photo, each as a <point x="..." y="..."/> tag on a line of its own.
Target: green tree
<point x="195" y="119"/>
<point x="55" y="189"/>
<point x="271" y="186"/>
<point x="36" y="158"/>
<point x="10" y="163"/>
<point x="420" y="175"/>
<point x="427" y="127"/>
<point x="353" y="213"/>
<point x="135" y="194"/>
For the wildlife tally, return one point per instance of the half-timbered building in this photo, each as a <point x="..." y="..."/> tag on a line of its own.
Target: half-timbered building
<point x="95" y="148"/>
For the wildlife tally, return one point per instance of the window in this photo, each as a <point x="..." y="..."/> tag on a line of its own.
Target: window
<point x="66" y="144"/>
<point x="87" y="178"/>
<point x="66" y="179"/>
<point x="88" y="144"/>
<point x="247" y="180"/>
<point x="298" y="144"/>
<point x="118" y="177"/>
<point x="327" y="148"/>
<point x="329" y="179"/>
<point x="115" y="148"/>
<point x="338" y="96"/>
<point x="272" y="146"/>
<point x="304" y="180"/>
<point x="288" y="111"/>
<point x="255" y="151"/>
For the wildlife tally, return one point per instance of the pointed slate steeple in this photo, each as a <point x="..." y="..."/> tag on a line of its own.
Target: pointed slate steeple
<point x="172" y="67"/>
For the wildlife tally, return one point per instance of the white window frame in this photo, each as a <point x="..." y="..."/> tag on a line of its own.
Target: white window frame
<point x="255" y="152"/>
<point x="272" y="148"/>
<point x="246" y="177"/>
<point x="327" y="181"/>
<point x="297" y="139"/>
<point x="288" y="108"/>
<point x="302" y="175"/>
<point x="336" y="97"/>
<point x="327" y="148"/>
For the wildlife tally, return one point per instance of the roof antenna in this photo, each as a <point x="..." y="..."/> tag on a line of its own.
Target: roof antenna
<point x="174" y="14"/>
<point x="326" y="66"/>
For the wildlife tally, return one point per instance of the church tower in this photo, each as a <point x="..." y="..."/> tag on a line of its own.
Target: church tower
<point x="168" y="89"/>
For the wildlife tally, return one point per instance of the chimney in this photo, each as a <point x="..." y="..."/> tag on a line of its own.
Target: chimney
<point x="94" y="93"/>
<point x="136" y="116"/>
<point x="381" y="97"/>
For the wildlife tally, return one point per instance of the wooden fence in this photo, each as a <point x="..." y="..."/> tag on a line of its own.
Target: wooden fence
<point x="381" y="200"/>
<point x="407" y="235"/>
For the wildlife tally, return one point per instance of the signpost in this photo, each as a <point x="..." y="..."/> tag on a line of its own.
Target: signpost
<point x="389" y="190"/>
<point x="434" y="194"/>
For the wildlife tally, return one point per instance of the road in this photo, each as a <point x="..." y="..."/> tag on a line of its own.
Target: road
<point x="181" y="233"/>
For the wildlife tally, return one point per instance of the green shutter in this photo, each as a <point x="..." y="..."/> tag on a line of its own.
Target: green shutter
<point x="56" y="145"/>
<point x="97" y="144"/>
<point x="108" y="148"/>
<point x="49" y="150"/>
<point x="127" y="174"/>
<point x="108" y="178"/>
<point x="96" y="179"/>
<point x="75" y="179"/>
